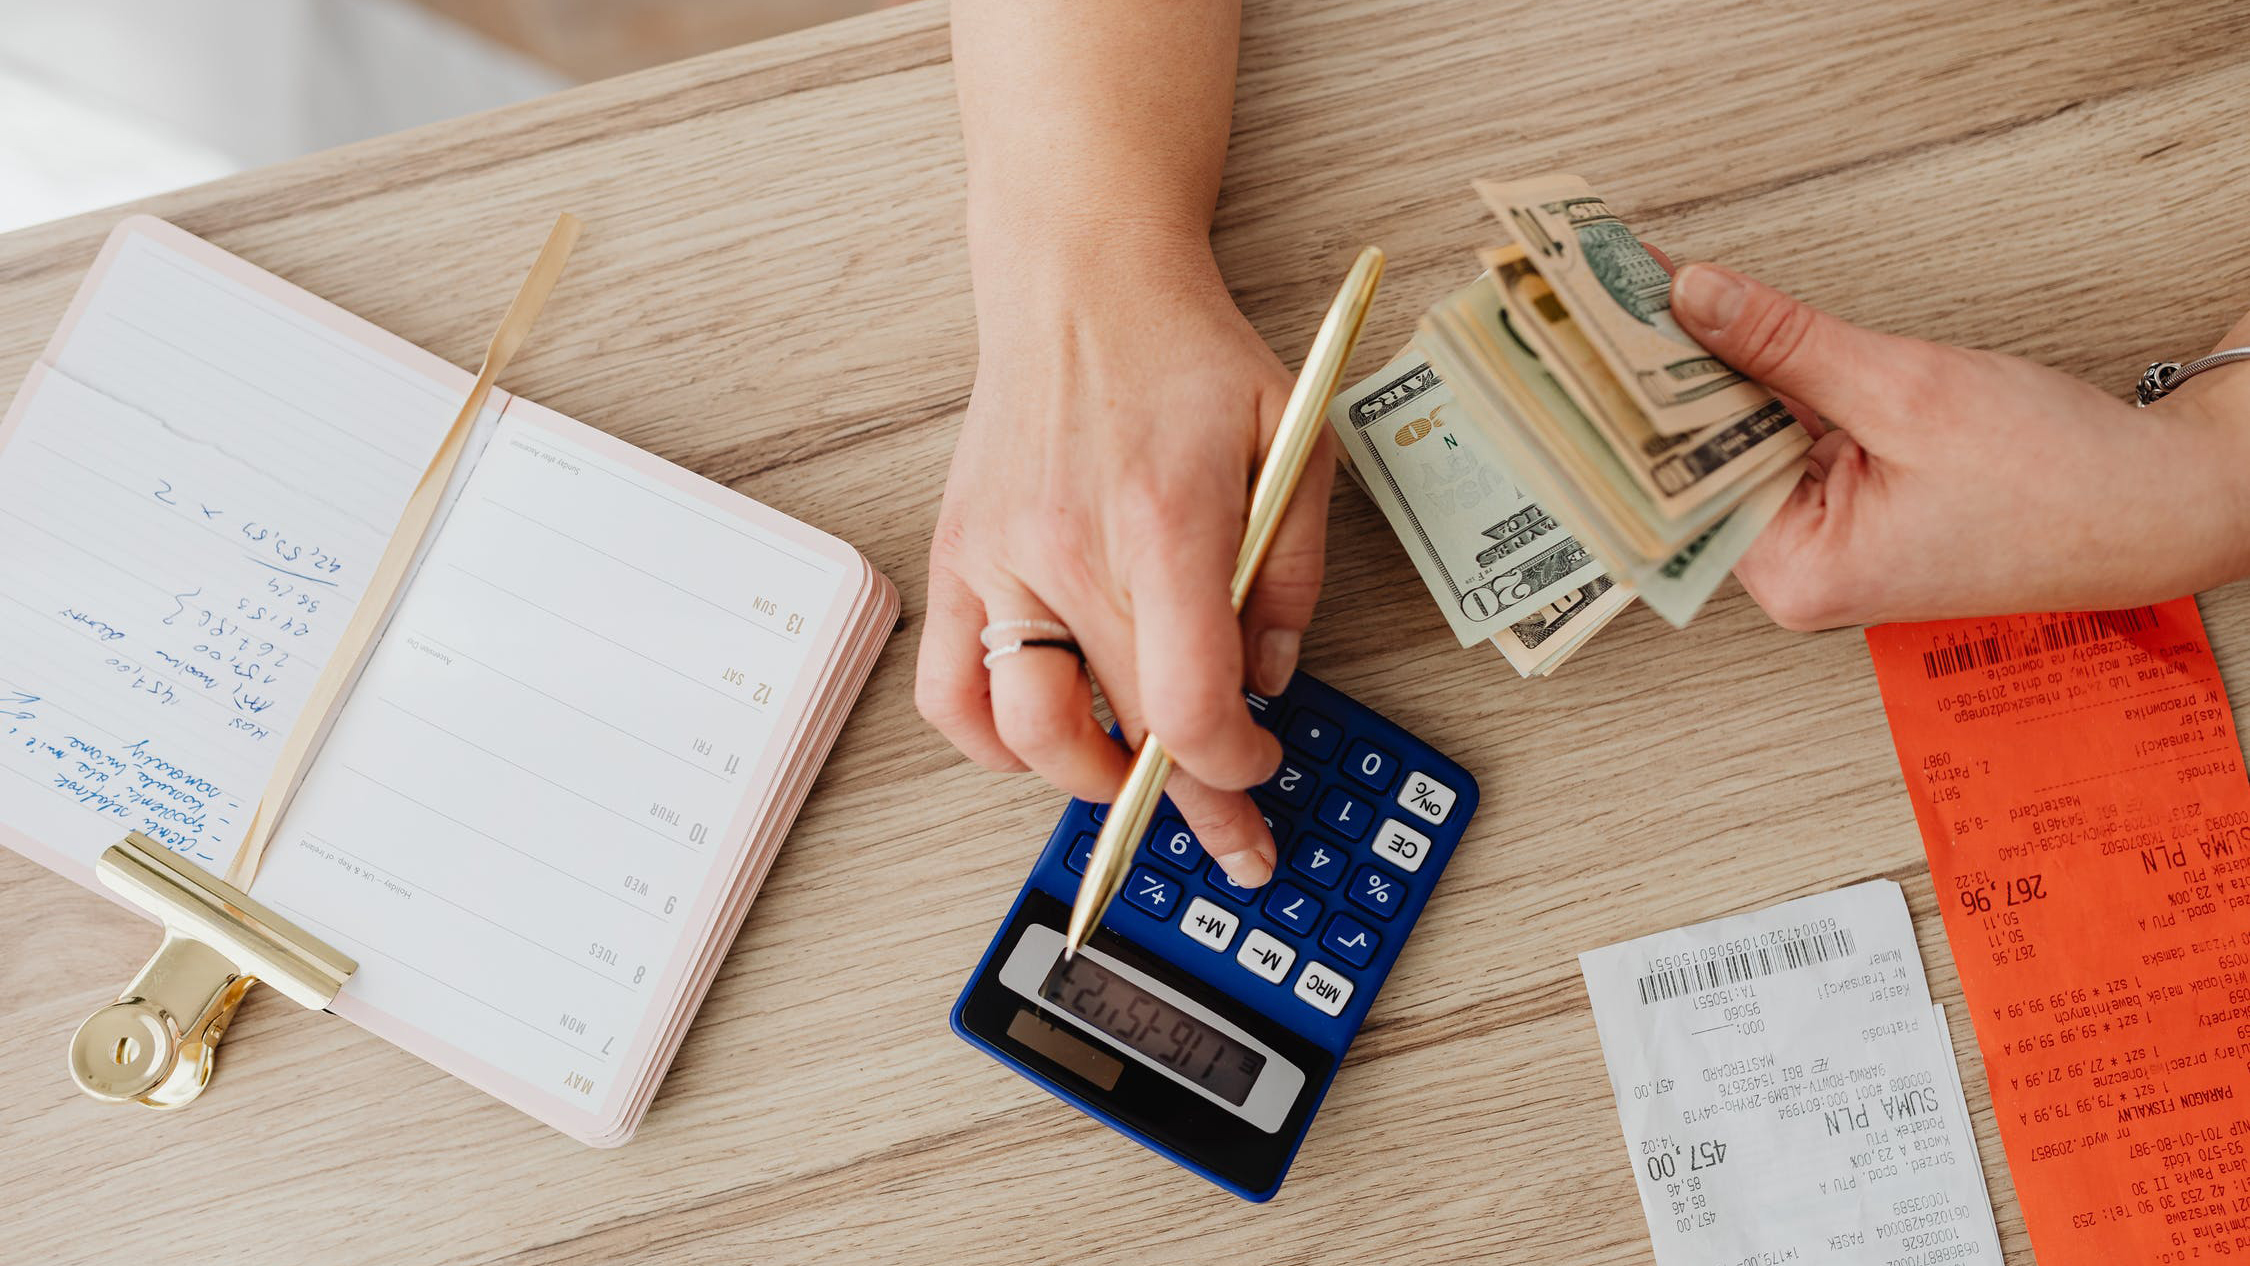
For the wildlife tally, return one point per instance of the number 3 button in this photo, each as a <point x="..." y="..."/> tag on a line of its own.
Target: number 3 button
<point x="1376" y="892"/>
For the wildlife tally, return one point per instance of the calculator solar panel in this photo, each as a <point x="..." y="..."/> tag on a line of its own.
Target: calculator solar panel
<point x="1206" y="1020"/>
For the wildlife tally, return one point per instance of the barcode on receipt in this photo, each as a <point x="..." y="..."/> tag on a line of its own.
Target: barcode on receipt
<point x="1734" y="969"/>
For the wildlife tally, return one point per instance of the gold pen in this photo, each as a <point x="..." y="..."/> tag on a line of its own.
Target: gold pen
<point x="1301" y="420"/>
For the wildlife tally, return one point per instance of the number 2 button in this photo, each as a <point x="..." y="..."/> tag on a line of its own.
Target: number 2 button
<point x="1376" y="892"/>
<point x="1290" y="785"/>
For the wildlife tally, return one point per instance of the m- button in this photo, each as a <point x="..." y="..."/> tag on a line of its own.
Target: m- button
<point x="1266" y="955"/>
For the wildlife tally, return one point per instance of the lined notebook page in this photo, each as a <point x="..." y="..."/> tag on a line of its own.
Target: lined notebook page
<point x="523" y="819"/>
<point x="192" y="492"/>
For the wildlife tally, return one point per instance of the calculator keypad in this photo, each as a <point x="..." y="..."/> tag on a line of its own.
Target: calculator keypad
<point x="1353" y="826"/>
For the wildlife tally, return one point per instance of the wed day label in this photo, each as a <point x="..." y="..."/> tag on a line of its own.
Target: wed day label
<point x="2079" y="787"/>
<point x="1788" y="1092"/>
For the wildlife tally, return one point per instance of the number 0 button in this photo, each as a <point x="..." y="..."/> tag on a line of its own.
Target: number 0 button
<point x="1373" y="891"/>
<point x="1371" y="766"/>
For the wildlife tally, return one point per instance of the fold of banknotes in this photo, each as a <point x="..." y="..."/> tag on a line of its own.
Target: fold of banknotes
<point x="1554" y="445"/>
<point x="1502" y="570"/>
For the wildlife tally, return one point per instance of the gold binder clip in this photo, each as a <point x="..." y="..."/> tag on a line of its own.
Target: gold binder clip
<point x="154" y="1044"/>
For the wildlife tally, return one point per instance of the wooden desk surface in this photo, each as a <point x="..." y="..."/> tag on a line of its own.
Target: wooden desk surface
<point x="772" y="290"/>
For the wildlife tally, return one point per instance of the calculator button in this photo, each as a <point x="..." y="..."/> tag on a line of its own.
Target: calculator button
<point x="1266" y="955"/>
<point x="1371" y="766"/>
<point x="1279" y="831"/>
<point x="1080" y="853"/>
<point x="1172" y="844"/>
<point x="1152" y="892"/>
<point x="1294" y="910"/>
<point x="1324" y="987"/>
<point x="1263" y="710"/>
<point x="1351" y="940"/>
<point x="1100" y="812"/>
<point x="1210" y="924"/>
<point x="1313" y="734"/>
<point x="1426" y="798"/>
<point x="1376" y="892"/>
<point x="1322" y="864"/>
<point x="1401" y="845"/>
<point x="1290" y="785"/>
<point x="1346" y="814"/>
<point x="1229" y="889"/>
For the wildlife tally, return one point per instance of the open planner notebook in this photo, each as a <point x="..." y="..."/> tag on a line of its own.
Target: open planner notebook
<point x="545" y="805"/>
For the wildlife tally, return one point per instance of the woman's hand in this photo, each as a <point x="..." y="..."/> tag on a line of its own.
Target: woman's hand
<point x="1102" y="480"/>
<point x="1953" y="482"/>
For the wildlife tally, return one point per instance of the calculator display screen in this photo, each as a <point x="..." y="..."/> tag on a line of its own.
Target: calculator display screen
<point x="1135" y="1018"/>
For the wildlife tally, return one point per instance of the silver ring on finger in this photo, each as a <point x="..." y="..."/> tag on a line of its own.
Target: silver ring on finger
<point x="1002" y="651"/>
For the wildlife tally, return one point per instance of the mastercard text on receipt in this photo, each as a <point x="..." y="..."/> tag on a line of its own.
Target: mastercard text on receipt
<point x="1788" y="1092"/>
<point x="2079" y="787"/>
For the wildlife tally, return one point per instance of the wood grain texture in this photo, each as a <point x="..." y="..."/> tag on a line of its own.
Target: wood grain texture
<point x="772" y="290"/>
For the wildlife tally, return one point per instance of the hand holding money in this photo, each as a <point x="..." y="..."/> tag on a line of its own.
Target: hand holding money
<point x="1961" y="482"/>
<point x="1555" y="437"/>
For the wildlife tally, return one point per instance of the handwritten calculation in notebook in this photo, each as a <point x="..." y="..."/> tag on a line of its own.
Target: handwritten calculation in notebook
<point x="565" y="764"/>
<point x="171" y="582"/>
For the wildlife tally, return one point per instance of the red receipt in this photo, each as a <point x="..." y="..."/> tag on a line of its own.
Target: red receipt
<point x="2080" y="792"/>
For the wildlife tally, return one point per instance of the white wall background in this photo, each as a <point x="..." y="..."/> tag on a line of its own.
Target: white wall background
<point x="106" y="100"/>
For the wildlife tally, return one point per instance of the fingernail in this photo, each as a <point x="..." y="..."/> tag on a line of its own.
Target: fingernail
<point x="1707" y="297"/>
<point x="1249" y="868"/>
<point x="1275" y="660"/>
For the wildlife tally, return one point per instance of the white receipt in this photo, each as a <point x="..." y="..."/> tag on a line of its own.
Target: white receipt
<point x="1788" y="1091"/>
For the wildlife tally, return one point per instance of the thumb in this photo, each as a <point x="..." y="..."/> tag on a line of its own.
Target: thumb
<point x="1836" y="368"/>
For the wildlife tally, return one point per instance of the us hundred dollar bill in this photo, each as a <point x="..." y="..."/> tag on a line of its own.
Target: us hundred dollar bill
<point x="1487" y="552"/>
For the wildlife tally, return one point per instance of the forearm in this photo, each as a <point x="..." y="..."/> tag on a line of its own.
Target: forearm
<point x="1095" y="130"/>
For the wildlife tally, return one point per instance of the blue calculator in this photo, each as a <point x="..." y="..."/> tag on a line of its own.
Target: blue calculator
<point x="1204" y="1020"/>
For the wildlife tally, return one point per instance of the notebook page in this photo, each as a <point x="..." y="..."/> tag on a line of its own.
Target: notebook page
<point x="522" y="823"/>
<point x="192" y="493"/>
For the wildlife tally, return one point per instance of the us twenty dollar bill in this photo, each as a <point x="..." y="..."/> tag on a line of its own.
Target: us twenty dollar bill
<point x="1488" y="553"/>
